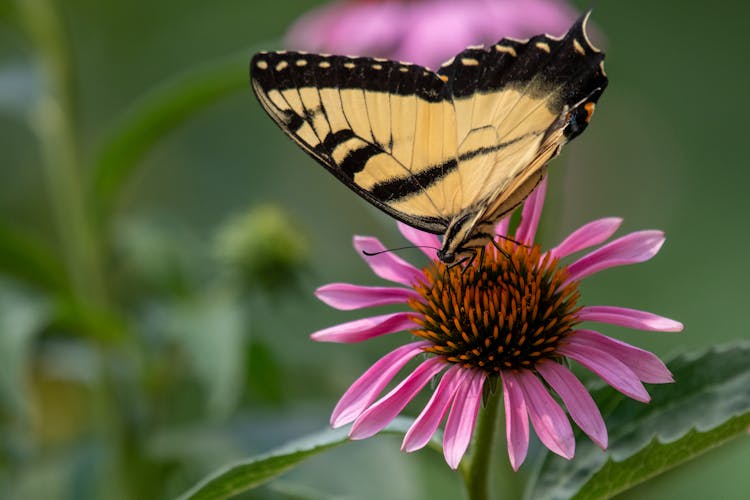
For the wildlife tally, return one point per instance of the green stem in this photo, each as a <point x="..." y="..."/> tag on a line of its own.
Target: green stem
<point x="54" y="121"/>
<point x="476" y="471"/>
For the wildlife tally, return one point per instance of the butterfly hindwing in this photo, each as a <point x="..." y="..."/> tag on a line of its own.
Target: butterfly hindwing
<point x="385" y="129"/>
<point x="512" y="102"/>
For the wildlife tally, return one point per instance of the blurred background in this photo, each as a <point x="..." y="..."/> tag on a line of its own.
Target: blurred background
<point x="160" y="240"/>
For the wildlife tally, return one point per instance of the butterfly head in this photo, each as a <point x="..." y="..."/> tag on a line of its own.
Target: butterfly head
<point x="446" y="257"/>
<point x="464" y="236"/>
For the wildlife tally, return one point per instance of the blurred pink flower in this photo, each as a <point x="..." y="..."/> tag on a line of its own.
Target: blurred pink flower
<point x="516" y="320"/>
<point x="425" y="32"/>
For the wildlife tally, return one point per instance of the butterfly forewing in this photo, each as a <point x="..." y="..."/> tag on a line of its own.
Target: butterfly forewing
<point x="386" y="129"/>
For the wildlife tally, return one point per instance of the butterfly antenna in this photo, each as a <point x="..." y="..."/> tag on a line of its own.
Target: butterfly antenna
<point x="370" y="254"/>
<point x="508" y="238"/>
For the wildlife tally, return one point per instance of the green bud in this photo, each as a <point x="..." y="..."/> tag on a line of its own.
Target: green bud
<point x="263" y="247"/>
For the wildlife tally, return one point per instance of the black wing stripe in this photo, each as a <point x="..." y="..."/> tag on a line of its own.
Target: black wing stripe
<point x="334" y="139"/>
<point x="292" y="120"/>
<point x="396" y="189"/>
<point x="356" y="160"/>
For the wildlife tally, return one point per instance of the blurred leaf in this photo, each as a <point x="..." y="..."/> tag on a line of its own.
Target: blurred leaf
<point x="196" y="443"/>
<point x="6" y="11"/>
<point x="265" y="375"/>
<point x="19" y="86"/>
<point x="21" y="317"/>
<point x="708" y="405"/>
<point x="80" y="318"/>
<point x="294" y="491"/>
<point x="157" y="113"/>
<point x="247" y="474"/>
<point x="28" y="259"/>
<point x="211" y="330"/>
<point x="157" y="256"/>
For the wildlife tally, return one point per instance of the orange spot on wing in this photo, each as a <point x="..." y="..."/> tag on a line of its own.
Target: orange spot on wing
<point x="589" y="107"/>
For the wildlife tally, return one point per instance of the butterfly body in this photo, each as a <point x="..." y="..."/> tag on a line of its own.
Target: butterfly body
<point x="448" y="152"/>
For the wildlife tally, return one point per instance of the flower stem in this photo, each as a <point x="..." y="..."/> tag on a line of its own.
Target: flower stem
<point x="476" y="472"/>
<point x="54" y="120"/>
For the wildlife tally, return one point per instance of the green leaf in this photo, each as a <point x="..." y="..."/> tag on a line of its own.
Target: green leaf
<point x="28" y="259"/>
<point x="265" y="375"/>
<point x="244" y="475"/>
<point x="210" y="328"/>
<point x="157" y="113"/>
<point x="708" y="405"/>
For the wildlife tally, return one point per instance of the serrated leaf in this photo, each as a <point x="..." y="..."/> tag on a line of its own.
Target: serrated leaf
<point x="246" y="474"/>
<point x="708" y="405"/>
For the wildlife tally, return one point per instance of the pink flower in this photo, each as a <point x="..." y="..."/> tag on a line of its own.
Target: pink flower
<point x="515" y="316"/>
<point x="425" y="32"/>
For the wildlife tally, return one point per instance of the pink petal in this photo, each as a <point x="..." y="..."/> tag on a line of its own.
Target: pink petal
<point x="631" y="318"/>
<point x="365" y="328"/>
<point x="549" y="420"/>
<point x="516" y="419"/>
<point x="380" y="414"/>
<point x="425" y="425"/>
<point x="367" y="387"/>
<point x="646" y="365"/>
<point x="351" y="28"/>
<point x="630" y="249"/>
<point x="386" y="265"/>
<point x="347" y="297"/>
<point x="501" y="228"/>
<point x="428" y="243"/>
<point x="609" y="368"/>
<point x="532" y="211"/>
<point x="586" y="236"/>
<point x="579" y="402"/>
<point x="463" y="417"/>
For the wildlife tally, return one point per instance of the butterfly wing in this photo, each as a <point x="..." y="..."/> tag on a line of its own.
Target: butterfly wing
<point x="516" y="104"/>
<point x="386" y="129"/>
<point x="429" y="148"/>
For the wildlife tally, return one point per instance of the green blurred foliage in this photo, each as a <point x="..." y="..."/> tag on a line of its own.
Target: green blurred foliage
<point x="135" y="358"/>
<point x="262" y="247"/>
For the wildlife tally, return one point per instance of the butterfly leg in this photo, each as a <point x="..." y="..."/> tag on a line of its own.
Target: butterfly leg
<point x="469" y="258"/>
<point x="508" y="238"/>
<point x="505" y="253"/>
<point x="481" y="258"/>
<point x="469" y="261"/>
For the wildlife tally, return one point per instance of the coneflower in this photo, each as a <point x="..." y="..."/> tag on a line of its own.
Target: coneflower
<point x="514" y="314"/>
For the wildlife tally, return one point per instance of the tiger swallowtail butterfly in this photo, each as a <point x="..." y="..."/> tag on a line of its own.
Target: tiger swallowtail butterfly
<point x="448" y="152"/>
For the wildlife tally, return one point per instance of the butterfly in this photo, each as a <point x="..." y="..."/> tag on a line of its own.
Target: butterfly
<point x="448" y="152"/>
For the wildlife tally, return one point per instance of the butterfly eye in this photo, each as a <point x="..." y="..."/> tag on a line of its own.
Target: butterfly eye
<point x="446" y="257"/>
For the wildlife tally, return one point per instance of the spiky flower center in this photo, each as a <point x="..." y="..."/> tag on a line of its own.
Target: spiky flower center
<point x="502" y="312"/>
